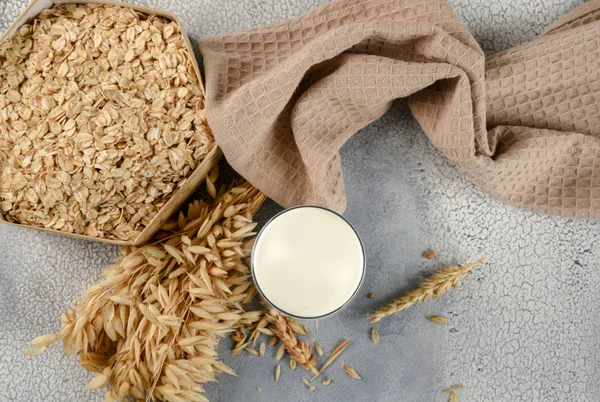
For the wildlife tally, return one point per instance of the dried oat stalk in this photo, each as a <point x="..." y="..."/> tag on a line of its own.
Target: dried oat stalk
<point x="101" y="120"/>
<point x="334" y="355"/>
<point x="150" y="328"/>
<point x="437" y="285"/>
<point x="453" y="389"/>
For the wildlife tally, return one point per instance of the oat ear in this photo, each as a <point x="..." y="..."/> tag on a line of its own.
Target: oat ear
<point x="152" y="325"/>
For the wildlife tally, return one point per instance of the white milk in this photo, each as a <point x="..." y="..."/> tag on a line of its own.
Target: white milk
<point x="308" y="262"/>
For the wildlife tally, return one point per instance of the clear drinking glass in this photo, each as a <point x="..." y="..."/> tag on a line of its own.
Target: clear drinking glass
<point x="308" y="262"/>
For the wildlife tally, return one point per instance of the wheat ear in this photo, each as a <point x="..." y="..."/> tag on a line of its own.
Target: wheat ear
<point x="438" y="284"/>
<point x="299" y="351"/>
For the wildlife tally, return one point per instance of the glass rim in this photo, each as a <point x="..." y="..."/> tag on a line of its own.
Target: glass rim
<point x="260" y="291"/>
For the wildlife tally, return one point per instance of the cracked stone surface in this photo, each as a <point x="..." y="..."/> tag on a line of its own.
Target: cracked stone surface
<point x="522" y="327"/>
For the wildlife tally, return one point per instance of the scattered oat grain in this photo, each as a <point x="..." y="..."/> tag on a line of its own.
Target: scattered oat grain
<point x="438" y="319"/>
<point x="277" y="373"/>
<point x="452" y="393"/>
<point x="374" y="336"/>
<point x="262" y="348"/>
<point x="308" y="384"/>
<point x="352" y="373"/>
<point x="429" y="254"/>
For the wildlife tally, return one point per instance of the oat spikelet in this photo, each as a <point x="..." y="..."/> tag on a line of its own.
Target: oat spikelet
<point x="438" y="319"/>
<point x="318" y="349"/>
<point x="438" y="284"/>
<point x="280" y="352"/>
<point x="97" y="382"/>
<point x="34" y="351"/>
<point x="352" y="373"/>
<point x="44" y="340"/>
<point x="297" y="328"/>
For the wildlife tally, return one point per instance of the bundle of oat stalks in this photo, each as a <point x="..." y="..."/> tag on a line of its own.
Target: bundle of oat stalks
<point x="150" y="328"/>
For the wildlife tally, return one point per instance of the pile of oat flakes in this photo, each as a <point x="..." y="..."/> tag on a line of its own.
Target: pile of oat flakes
<point x="101" y="119"/>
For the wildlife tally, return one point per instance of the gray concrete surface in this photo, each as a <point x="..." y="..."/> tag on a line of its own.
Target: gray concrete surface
<point x="522" y="327"/>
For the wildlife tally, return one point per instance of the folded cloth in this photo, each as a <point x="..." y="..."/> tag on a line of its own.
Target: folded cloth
<point x="523" y="124"/>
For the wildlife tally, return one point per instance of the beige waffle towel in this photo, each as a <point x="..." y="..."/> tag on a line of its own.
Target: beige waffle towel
<point x="523" y="124"/>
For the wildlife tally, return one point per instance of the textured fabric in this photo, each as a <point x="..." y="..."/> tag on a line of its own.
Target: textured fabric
<point x="523" y="124"/>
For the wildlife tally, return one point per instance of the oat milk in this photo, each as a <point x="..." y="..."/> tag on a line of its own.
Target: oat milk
<point x="308" y="262"/>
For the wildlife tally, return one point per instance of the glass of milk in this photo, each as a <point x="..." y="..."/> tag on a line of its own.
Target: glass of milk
<point x="308" y="262"/>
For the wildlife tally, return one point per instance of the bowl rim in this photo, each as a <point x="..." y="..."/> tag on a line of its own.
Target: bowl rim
<point x="260" y="291"/>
